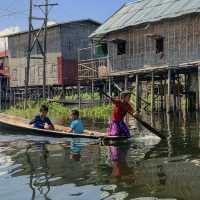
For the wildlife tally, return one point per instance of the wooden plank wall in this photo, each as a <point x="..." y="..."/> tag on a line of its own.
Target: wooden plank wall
<point x="181" y="44"/>
<point x="17" y="59"/>
<point x="62" y="41"/>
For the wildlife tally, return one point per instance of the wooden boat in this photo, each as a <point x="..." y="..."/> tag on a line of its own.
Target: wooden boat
<point x="20" y="125"/>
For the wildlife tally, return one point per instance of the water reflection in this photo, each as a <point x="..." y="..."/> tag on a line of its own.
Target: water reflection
<point x="52" y="165"/>
<point x="118" y="158"/>
<point x="161" y="175"/>
<point x="39" y="178"/>
<point x="43" y="172"/>
<point x="75" y="150"/>
<point x="74" y="169"/>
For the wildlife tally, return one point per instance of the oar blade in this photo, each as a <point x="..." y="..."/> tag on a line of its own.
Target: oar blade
<point x="150" y="128"/>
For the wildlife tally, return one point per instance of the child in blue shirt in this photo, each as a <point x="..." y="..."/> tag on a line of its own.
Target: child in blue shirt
<point x="41" y="119"/>
<point x="76" y="125"/>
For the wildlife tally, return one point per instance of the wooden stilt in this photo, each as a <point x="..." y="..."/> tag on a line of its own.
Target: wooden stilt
<point x="92" y="92"/>
<point x="0" y="93"/>
<point x="126" y="83"/>
<point x="104" y="89"/>
<point x="73" y="91"/>
<point x="48" y="92"/>
<point x="109" y="86"/>
<point x="169" y="138"/>
<point x="152" y="93"/>
<point x="169" y="91"/>
<point x="178" y="93"/>
<point x="6" y="95"/>
<point x="10" y="97"/>
<point x="38" y="94"/>
<point x="186" y="96"/>
<point x="146" y="96"/>
<point x="23" y="99"/>
<point x="152" y="119"/>
<point x="137" y="93"/>
<point x="165" y="96"/>
<point x="161" y="95"/>
<point x="14" y="97"/>
<point x="79" y="94"/>
<point x="198" y="92"/>
<point x="174" y="93"/>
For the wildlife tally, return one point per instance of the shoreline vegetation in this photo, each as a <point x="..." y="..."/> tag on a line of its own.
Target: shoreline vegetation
<point x="96" y="117"/>
<point x="59" y="113"/>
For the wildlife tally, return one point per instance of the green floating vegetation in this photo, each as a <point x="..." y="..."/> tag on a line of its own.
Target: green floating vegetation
<point x="58" y="112"/>
<point x="84" y="97"/>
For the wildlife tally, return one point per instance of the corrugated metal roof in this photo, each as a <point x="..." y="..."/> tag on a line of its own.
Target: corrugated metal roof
<point x="55" y="25"/>
<point x="146" y="11"/>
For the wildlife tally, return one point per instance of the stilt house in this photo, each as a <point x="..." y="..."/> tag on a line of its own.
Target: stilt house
<point x="63" y="40"/>
<point x="150" y="40"/>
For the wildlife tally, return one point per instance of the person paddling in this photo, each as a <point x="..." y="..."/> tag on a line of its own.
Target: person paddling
<point x="120" y="109"/>
<point x="41" y="119"/>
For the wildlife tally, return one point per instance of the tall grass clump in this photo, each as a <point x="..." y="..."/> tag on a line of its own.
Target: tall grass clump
<point x="58" y="112"/>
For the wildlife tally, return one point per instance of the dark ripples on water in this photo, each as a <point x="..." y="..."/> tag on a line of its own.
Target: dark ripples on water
<point x="38" y="168"/>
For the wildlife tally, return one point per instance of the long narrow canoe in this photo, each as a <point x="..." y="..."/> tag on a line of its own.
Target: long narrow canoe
<point x="20" y="125"/>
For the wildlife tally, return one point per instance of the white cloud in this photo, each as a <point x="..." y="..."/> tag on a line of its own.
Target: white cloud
<point x="4" y="41"/>
<point x="50" y="23"/>
<point x="10" y="30"/>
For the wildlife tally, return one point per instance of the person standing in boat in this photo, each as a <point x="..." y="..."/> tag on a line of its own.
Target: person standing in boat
<point x="120" y="109"/>
<point x="76" y="125"/>
<point x="41" y="119"/>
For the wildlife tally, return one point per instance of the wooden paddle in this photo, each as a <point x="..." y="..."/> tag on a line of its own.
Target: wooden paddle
<point x="145" y="124"/>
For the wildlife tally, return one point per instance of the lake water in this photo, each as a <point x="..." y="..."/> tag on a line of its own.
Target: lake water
<point x="37" y="168"/>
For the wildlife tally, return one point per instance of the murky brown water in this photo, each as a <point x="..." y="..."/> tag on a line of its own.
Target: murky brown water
<point x="38" y="168"/>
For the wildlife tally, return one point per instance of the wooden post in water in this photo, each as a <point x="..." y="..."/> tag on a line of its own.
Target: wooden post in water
<point x="165" y="97"/>
<point x="92" y="91"/>
<point x="169" y="91"/>
<point x="152" y="93"/>
<point x="178" y="93"/>
<point x="174" y="92"/>
<point x="10" y="97"/>
<point x="137" y="93"/>
<point x="186" y="95"/>
<point x="109" y="86"/>
<point x="169" y="137"/>
<point x="198" y="86"/>
<point x="14" y="97"/>
<point x="38" y="94"/>
<point x="22" y="99"/>
<point x="125" y="82"/>
<point x="6" y="93"/>
<point x="0" y="93"/>
<point x="161" y="94"/>
<point x="48" y="91"/>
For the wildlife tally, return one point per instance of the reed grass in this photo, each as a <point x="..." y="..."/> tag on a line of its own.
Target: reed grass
<point x="58" y="112"/>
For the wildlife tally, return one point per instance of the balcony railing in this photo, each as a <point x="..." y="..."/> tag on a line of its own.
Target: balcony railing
<point x="92" y="69"/>
<point x="105" y="66"/>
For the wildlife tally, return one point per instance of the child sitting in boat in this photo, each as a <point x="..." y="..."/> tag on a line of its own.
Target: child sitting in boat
<point x="76" y="125"/>
<point x="41" y="119"/>
<point x="120" y="109"/>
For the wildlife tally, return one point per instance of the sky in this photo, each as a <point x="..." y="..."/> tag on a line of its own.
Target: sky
<point x="14" y="13"/>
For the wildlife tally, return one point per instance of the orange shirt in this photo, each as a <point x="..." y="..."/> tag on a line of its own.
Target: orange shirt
<point x="120" y="109"/>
